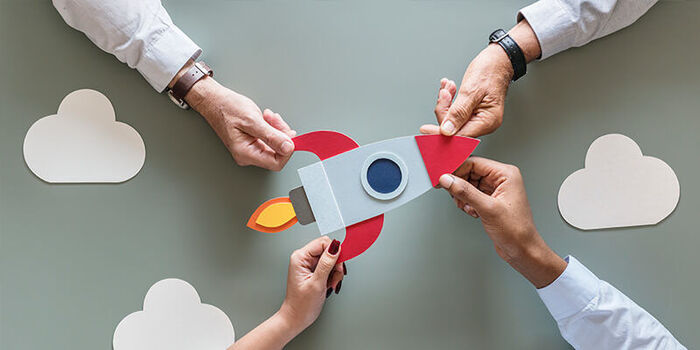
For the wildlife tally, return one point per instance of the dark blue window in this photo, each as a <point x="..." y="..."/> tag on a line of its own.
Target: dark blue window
<point x="384" y="175"/>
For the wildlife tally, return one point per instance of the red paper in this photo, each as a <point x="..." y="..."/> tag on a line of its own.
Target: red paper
<point x="444" y="154"/>
<point x="360" y="236"/>
<point x="324" y="144"/>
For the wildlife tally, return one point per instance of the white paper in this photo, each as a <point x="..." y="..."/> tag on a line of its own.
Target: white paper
<point x="618" y="187"/>
<point x="174" y="318"/>
<point x="83" y="143"/>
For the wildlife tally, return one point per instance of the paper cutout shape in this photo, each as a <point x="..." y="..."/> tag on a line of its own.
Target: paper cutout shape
<point x="360" y="236"/>
<point x="273" y="216"/>
<point x="174" y="318"/>
<point x="437" y="156"/>
<point x="341" y="191"/>
<point x="618" y="187"/>
<point x="83" y="143"/>
<point x="324" y="143"/>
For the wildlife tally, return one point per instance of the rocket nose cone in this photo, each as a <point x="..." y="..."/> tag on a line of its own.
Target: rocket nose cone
<point x="444" y="154"/>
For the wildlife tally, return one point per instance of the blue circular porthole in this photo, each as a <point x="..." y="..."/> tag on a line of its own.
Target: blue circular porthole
<point x="384" y="176"/>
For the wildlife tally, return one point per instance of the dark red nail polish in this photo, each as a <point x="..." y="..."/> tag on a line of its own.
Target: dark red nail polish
<point x="337" y="288"/>
<point x="335" y="245"/>
<point x="345" y="269"/>
<point x="328" y="292"/>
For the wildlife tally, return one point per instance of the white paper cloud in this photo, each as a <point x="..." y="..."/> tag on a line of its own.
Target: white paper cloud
<point x="618" y="187"/>
<point x="83" y="142"/>
<point x="174" y="318"/>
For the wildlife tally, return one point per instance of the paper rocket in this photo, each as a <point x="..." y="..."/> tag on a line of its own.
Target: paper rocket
<point x="352" y="186"/>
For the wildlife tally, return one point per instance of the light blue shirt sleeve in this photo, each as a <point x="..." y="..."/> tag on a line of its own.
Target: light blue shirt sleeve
<point x="592" y="314"/>
<point x="562" y="24"/>
<point x="139" y="33"/>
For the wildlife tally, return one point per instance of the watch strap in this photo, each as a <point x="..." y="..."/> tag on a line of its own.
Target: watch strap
<point x="195" y="73"/>
<point x="515" y="54"/>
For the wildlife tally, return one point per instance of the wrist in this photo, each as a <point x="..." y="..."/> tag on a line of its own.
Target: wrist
<point x="291" y="325"/>
<point x="525" y="37"/>
<point x="499" y="60"/>
<point x="538" y="263"/>
<point x="201" y="92"/>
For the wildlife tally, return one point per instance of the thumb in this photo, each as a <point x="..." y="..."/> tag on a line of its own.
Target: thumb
<point x="280" y="142"/>
<point x="326" y="263"/>
<point x="467" y="193"/>
<point x="458" y="114"/>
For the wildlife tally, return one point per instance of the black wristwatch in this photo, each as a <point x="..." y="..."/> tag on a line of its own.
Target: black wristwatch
<point x="515" y="54"/>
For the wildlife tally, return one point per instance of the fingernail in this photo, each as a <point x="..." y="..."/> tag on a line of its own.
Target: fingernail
<point x="287" y="147"/>
<point x="345" y="269"/>
<point x="446" y="181"/>
<point x="447" y="128"/>
<point x="328" y="292"/>
<point x="337" y="288"/>
<point x="333" y="248"/>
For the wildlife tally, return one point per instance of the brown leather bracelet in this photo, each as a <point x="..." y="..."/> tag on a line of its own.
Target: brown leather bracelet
<point x="182" y="86"/>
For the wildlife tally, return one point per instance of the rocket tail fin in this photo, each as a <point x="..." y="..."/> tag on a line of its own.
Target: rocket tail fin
<point x="360" y="236"/>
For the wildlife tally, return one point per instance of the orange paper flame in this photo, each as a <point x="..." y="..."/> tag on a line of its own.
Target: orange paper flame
<point x="273" y="216"/>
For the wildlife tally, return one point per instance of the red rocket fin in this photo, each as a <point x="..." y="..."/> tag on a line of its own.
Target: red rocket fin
<point x="324" y="144"/>
<point x="360" y="236"/>
<point x="444" y="154"/>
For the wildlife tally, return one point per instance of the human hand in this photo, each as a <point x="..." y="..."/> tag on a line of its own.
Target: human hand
<point x="495" y="192"/>
<point x="478" y="107"/>
<point x="254" y="137"/>
<point x="313" y="275"/>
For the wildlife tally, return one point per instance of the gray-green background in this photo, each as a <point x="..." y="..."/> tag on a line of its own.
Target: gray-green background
<point x="75" y="259"/>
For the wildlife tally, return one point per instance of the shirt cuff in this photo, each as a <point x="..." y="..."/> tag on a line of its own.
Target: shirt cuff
<point x="165" y="56"/>
<point x="571" y="292"/>
<point x="552" y="25"/>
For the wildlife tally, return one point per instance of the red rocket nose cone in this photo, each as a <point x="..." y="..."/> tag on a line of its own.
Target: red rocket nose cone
<point x="444" y="154"/>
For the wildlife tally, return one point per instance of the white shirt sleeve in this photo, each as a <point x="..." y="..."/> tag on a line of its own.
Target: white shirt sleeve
<point x="592" y="314"/>
<point x="138" y="32"/>
<point x="562" y="24"/>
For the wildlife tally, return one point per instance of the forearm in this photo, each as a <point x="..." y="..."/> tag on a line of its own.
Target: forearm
<point x="592" y="314"/>
<point x="273" y="334"/>
<point x="500" y="65"/>
<point x="561" y="24"/>
<point x="525" y="37"/>
<point x="201" y="92"/>
<point x="139" y="33"/>
<point x="537" y="262"/>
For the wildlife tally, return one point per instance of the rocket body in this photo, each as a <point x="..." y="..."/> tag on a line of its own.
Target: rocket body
<point x="364" y="182"/>
<point x="352" y="187"/>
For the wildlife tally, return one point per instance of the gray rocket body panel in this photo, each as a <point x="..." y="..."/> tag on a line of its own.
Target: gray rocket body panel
<point x="338" y="191"/>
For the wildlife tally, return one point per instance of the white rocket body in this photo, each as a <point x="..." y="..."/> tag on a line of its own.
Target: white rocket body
<point x="340" y="194"/>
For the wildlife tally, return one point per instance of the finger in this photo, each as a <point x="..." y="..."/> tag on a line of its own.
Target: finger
<point x="488" y="173"/>
<point x="482" y="123"/>
<point x="465" y="192"/>
<point x="316" y="247"/>
<point x="280" y="142"/>
<point x="259" y="154"/>
<point x="459" y="113"/>
<point x="326" y="263"/>
<point x="442" y="105"/>
<point x="430" y="129"/>
<point x="469" y="210"/>
<point x="275" y="119"/>
<point x="443" y="83"/>
<point x="451" y="88"/>
<point x="334" y="279"/>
